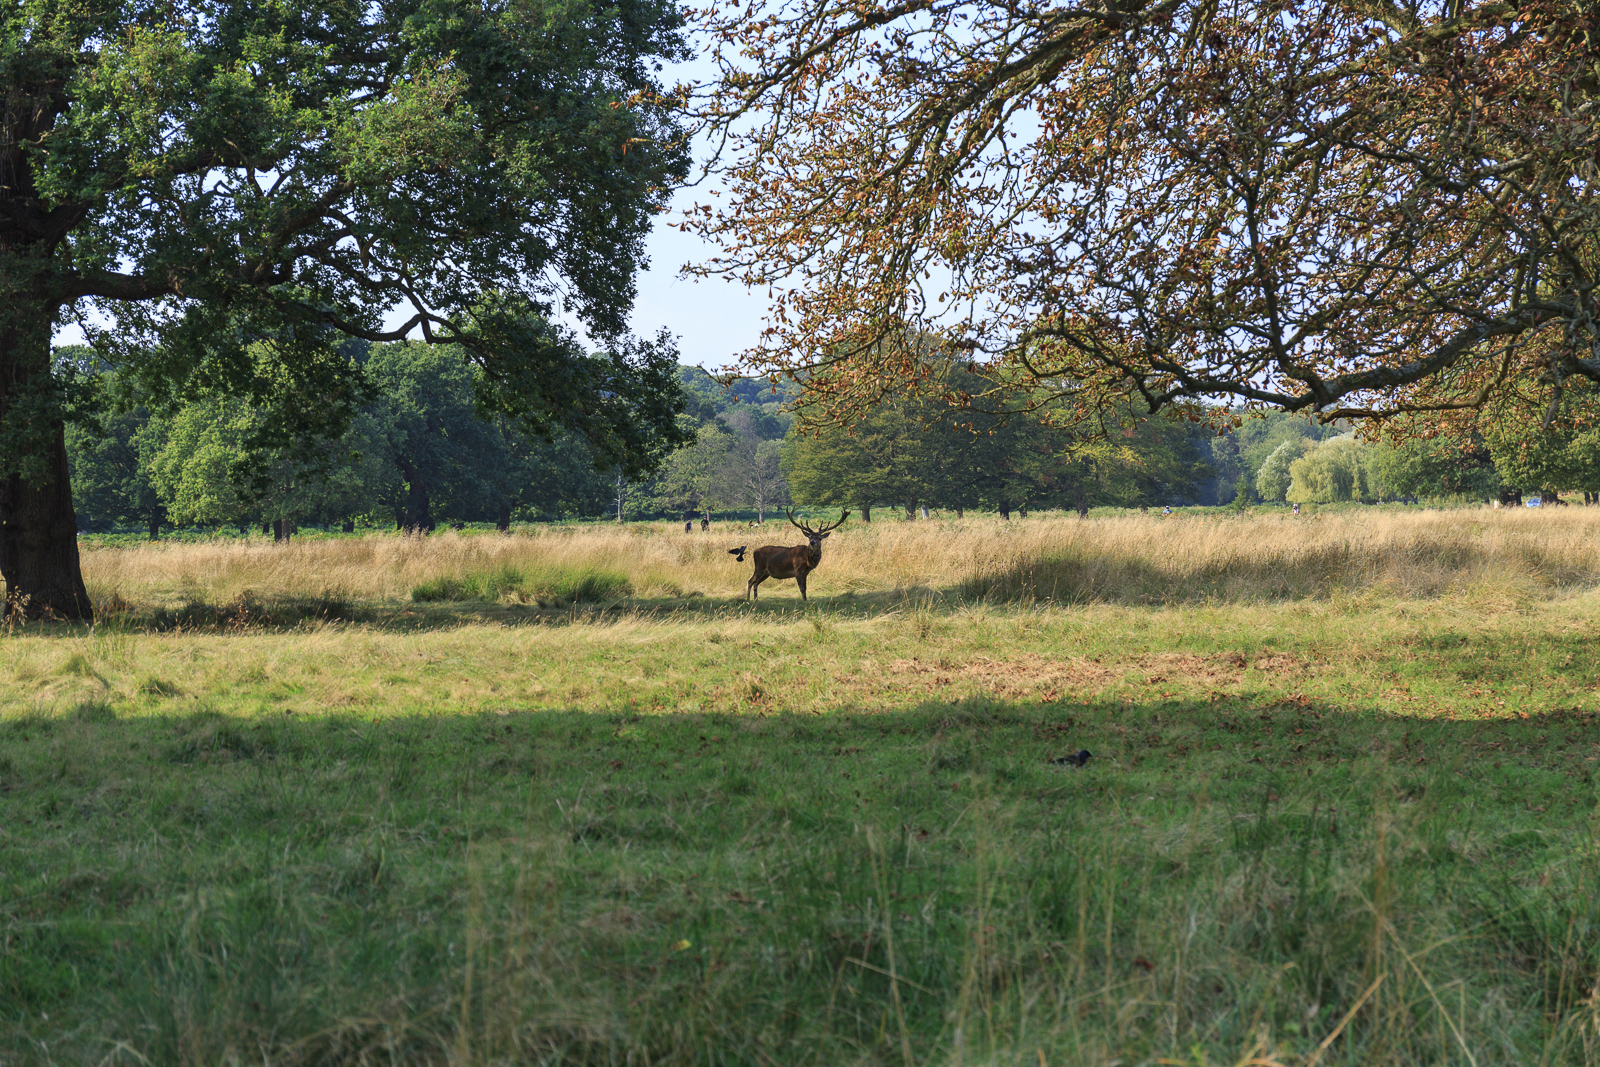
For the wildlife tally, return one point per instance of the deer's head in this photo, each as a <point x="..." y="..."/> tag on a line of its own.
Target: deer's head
<point x="816" y="536"/>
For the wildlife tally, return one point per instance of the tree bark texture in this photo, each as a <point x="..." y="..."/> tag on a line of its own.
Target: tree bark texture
<point x="38" y="526"/>
<point x="502" y="520"/>
<point x="39" y="540"/>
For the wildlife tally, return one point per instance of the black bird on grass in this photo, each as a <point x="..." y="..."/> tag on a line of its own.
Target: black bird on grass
<point x="738" y="553"/>
<point x="1078" y="760"/>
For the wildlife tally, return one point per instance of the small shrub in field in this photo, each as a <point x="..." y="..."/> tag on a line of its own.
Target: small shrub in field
<point x="439" y="589"/>
<point x="549" y="584"/>
<point x="580" y="585"/>
<point x="479" y="585"/>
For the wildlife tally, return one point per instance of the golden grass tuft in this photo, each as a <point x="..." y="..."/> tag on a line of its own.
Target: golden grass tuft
<point x="1492" y="560"/>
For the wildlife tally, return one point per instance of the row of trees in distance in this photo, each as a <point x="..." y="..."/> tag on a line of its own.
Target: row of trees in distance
<point x="421" y="452"/>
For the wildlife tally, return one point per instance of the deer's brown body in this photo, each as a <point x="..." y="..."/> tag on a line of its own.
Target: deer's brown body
<point x="777" y="561"/>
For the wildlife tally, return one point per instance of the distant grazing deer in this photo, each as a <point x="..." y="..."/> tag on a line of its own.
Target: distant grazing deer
<point x="774" y="561"/>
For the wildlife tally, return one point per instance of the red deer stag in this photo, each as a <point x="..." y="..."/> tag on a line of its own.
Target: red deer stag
<point x="775" y="561"/>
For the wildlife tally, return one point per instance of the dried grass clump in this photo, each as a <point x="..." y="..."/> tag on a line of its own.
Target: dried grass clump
<point x="1497" y="559"/>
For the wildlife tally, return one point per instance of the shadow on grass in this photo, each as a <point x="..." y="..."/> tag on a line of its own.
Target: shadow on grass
<point x="250" y="613"/>
<point x="1222" y="881"/>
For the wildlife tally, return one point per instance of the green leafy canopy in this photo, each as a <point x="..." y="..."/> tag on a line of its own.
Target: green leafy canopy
<point x="237" y="187"/>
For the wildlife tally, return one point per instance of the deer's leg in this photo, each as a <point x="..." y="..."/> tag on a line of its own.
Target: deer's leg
<point x="755" y="580"/>
<point x="800" y="580"/>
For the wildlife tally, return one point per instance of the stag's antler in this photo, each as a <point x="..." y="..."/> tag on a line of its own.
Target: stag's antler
<point x="808" y="531"/>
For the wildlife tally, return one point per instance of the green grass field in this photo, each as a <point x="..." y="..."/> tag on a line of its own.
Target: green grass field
<point x="1357" y="827"/>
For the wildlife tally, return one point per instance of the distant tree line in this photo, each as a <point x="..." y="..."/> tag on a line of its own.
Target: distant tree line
<point x="733" y="463"/>
<point x="423" y="451"/>
<point x="915" y="453"/>
<point x="1500" y="454"/>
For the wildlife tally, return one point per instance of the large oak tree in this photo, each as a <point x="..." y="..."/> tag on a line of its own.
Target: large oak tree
<point x="235" y="186"/>
<point x="1347" y="207"/>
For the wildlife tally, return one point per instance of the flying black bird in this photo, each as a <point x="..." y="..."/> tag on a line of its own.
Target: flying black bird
<point x="738" y="553"/>
<point x="1078" y="760"/>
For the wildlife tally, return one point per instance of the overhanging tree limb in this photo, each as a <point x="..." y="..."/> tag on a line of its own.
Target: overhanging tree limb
<point x="1343" y="206"/>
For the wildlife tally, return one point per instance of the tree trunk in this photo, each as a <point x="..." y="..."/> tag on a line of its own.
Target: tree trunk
<point x="960" y="511"/>
<point x="282" y="530"/>
<point x="866" y="512"/>
<point x="502" y="519"/>
<point x="418" y="518"/>
<point x="348" y="526"/>
<point x="1005" y="510"/>
<point x="155" y="526"/>
<point x="39" y="528"/>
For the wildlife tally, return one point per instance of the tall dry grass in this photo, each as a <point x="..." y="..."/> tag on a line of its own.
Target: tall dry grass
<point x="1511" y="555"/>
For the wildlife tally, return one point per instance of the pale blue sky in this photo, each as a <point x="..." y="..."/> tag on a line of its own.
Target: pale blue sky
<point x="712" y="319"/>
